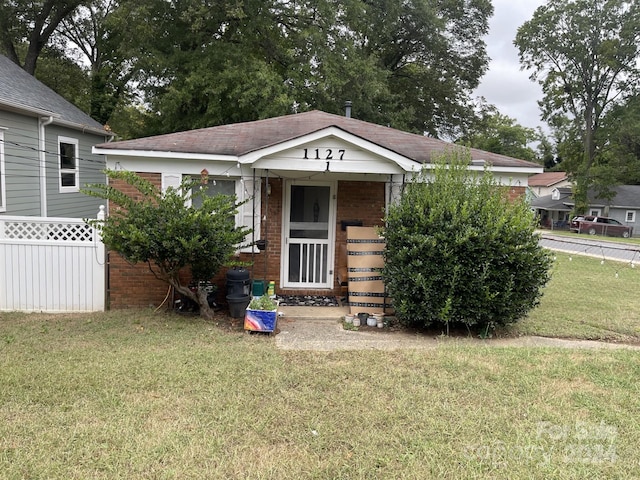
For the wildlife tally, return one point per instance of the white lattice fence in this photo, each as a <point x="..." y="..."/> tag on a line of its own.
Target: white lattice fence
<point x="51" y="265"/>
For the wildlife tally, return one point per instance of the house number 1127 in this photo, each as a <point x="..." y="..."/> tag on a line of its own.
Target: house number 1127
<point x="324" y="154"/>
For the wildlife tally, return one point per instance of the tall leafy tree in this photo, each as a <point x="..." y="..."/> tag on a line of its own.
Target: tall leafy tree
<point x="585" y="55"/>
<point x="411" y="64"/>
<point x="432" y="54"/>
<point x="547" y="152"/>
<point x="620" y="161"/>
<point x="498" y="133"/>
<point x="62" y="73"/>
<point x="32" y="23"/>
<point x="105" y="35"/>
<point x="209" y="63"/>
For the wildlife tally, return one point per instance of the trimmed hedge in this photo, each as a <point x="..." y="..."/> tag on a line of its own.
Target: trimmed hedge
<point x="459" y="251"/>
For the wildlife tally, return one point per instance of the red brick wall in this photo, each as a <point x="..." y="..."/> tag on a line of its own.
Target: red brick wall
<point x="271" y="229"/>
<point x="356" y="201"/>
<point x="135" y="286"/>
<point x="517" y="192"/>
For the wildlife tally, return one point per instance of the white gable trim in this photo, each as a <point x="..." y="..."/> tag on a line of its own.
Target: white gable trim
<point x="403" y="162"/>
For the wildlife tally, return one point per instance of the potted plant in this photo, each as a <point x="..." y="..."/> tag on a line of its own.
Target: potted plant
<point x="261" y="314"/>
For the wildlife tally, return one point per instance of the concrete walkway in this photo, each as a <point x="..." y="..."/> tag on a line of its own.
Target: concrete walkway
<point x="320" y="329"/>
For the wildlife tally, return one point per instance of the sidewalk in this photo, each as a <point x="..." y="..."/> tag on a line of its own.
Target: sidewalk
<point x="320" y="329"/>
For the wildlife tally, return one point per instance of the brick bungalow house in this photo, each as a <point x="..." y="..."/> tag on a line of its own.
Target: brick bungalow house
<point x="307" y="176"/>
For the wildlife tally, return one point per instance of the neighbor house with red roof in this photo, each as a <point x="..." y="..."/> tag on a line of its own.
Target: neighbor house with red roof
<point x="543" y="184"/>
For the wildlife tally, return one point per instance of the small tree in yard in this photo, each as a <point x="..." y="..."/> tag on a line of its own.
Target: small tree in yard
<point x="160" y="229"/>
<point x="459" y="251"/>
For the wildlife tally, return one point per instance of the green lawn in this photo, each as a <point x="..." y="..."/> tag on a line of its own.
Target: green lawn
<point x="132" y="395"/>
<point x="588" y="299"/>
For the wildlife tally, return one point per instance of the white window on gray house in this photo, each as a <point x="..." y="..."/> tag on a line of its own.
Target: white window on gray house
<point x="68" y="164"/>
<point x="595" y="212"/>
<point x="3" y="194"/>
<point x="630" y="217"/>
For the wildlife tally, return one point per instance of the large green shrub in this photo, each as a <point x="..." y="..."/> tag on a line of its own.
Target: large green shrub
<point x="459" y="251"/>
<point x="163" y="230"/>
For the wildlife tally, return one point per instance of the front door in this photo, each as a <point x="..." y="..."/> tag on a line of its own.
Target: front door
<point x="309" y="232"/>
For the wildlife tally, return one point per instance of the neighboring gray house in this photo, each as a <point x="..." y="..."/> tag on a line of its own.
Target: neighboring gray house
<point x="554" y="210"/>
<point x="45" y="150"/>
<point x="624" y="205"/>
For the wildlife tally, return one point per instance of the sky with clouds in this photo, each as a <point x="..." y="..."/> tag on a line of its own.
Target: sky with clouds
<point x="505" y="85"/>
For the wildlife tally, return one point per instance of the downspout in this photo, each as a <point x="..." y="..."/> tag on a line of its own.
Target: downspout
<point x="43" y="122"/>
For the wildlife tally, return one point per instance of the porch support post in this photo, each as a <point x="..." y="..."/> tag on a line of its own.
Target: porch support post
<point x="266" y="218"/>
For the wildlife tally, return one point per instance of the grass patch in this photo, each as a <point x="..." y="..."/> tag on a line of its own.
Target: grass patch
<point x="135" y="395"/>
<point x="587" y="299"/>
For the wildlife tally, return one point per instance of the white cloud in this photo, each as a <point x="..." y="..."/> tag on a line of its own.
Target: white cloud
<point x="505" y="85"/>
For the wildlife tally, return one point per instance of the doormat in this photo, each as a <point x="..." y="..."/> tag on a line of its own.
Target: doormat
<point x="308" y="301"/>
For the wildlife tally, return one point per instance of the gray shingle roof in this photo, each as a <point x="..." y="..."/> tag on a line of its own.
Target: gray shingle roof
<point x="242" y="138"/>
<point x="548" y="203"/>
<point x="19" y="89"/>
<point x="623" y="196"/>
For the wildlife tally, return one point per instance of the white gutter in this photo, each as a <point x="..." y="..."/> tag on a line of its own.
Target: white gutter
<point x="43" y="122"/>
<point x="85" y="128"/>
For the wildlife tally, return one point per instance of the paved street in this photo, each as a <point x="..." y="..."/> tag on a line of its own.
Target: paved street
<point x="593" y="247"/>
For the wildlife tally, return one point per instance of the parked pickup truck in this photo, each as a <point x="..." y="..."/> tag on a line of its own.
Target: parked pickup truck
<point x="601" y="226"/>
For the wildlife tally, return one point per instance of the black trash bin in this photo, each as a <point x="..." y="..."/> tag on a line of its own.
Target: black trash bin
<point x="238" y="303"/>
<point x="238" y="281"/>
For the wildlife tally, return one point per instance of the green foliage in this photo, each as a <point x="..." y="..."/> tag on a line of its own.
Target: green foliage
<point x="620" y="160"/>
<point x="67" y="78"/>
<point x="263" y="303"/>
<point x="160" y="229"/>
<point x="25" y="23"/>
<point x="458" y="251"/>
<point x="411" y="65"/>
<point x="585" y="54"/>
<point x="497" y="133"/>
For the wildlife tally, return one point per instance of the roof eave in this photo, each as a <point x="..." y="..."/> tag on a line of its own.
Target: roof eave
<point x="405" y="163"/>
<point x="39" y="112"/>
<point x="163" y="154"/>
<point x="25" y="109"/>
<point x="83" y="128"/>
<point x="496" y="169"/>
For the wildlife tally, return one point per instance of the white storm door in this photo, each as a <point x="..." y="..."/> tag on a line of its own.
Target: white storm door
<point x="309" y="233"/>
